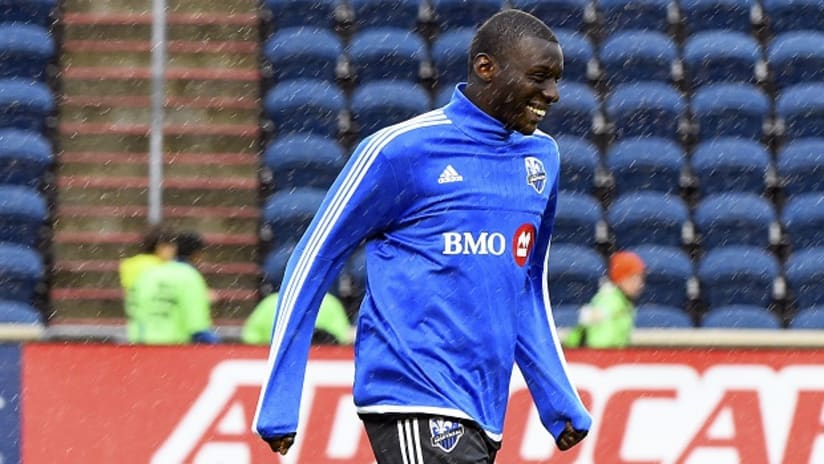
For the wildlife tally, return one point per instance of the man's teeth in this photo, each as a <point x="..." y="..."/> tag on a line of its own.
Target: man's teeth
<point x="538" y="111"/>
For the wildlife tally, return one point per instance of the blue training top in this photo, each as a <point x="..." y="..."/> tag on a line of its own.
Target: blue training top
<point x="457" y="212"/>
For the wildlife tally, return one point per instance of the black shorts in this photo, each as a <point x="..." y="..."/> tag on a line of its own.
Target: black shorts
<point x="426" y="439"/>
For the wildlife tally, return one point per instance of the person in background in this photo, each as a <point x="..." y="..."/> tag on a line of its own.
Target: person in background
<point x="332" y="326"/>
<point x="169" y="303"/>
<point x="157" y="247"/>
<point x="608" y="319"/>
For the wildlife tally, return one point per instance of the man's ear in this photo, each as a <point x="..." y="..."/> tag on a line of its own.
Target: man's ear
<point x="484" y="66"/>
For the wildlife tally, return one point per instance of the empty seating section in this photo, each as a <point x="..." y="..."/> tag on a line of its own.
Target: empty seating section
<point x="689" y="131"/>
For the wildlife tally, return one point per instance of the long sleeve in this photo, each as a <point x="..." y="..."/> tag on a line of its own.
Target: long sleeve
<point x="364" y="200"/>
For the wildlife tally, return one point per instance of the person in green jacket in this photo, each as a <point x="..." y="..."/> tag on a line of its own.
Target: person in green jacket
<point x="157" y="247"/>
<point x="608" y="319"/>
<point x="332" y="323"/>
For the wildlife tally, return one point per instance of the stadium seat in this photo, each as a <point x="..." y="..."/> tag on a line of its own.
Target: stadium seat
<point x="668" y="270"/>
<point x="450" y="55"/>
<point x="720" y="56"/>
<point x="811" y="318"/>
<point x="561" y="14"/>
<point x="653" y="316"/>
<point x="25" y="51"/>
<point x="452" y="14"/>
<point x="703" y="15"/>
<point x="579" y="160"/>
<point x="629" y="56"/>
<point x="796" y="57"/>
<point x="801" y="166"/>
<point x="38" y="12"/>
<point x="21" y="270"/>
<point x="646" y="163"/>
<point x="737" y="275"/>
<point x="645" y="109"/>
<point x="729" y="109"/>
<point x="730" y="164"/>
<point x="303" y="160"/>
<point x="805" y="276"/>
<point x="387" y="53"/>
<point x="17" y="312"/>
<point x="801" y="107"/>
<point x="24" y="157"/>
<point x="803" y="218"/>
<point x="303" y="53"/>
<point x="791" y="15"/>
<point x="305" y="106"/>
<point x="578" y="55"/>
<point x="565" y="315"/>
<point x="302" y="13"/>
<point x="740" y="316"/>
<point x="286" y="214"/>
<point x="574" y="273"/>
<point x="574" y="113"/>
<point x="734" y="218"/>
<point x="381" y="103"/>
<point x="647" y="218"/>
<point x="385" y="13"/>
<point x="274" y="265"/>
<point x="22" y="215"/>
<point x="354" y="273"/>
<point x="25" y="104"/>
<point x="634" y="14"/>
<point x="576" y="219"/>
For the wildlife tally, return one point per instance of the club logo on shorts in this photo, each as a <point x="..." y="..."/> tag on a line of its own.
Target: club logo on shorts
<point x="535" y="173"/>
<point x="445" y="433"/>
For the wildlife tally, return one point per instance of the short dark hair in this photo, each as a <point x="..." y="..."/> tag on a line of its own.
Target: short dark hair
<point x="504" y="29"/>
<point x="155" y="236"/>
<point x="189" y="243"/>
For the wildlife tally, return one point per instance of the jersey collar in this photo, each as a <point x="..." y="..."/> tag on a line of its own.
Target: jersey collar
<point x="473" y="121"/>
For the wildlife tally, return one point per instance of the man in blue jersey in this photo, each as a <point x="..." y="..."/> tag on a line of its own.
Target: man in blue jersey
<point x="456" y="207"/>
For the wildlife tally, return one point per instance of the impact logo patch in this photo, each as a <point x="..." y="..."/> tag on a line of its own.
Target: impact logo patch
<point x="445" y="433"/>
<point x="522" y="243"/>
<point x="535" y="173"/>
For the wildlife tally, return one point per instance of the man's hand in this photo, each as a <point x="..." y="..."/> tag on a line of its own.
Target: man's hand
<point x="281" y="444"/>
<point x="569" y="437"/>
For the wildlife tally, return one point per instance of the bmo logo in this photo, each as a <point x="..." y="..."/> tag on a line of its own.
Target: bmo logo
<point x="467" y="243"/>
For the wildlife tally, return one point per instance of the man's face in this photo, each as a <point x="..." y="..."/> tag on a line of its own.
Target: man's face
<point x="527" y="83"/>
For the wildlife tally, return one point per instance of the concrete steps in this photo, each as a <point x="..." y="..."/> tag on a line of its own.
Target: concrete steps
<point x="202" y="27"/>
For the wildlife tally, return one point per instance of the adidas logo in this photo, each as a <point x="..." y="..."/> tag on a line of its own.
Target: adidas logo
<point x="449" y="174"/>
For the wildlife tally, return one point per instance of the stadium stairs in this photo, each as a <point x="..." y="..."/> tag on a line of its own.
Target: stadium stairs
<point x="210" y="143"/>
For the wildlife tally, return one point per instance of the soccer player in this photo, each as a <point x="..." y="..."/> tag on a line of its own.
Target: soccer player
<point x="456" y="207"/>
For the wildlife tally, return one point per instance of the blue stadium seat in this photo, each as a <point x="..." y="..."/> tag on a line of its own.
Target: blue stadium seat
<point x="21" y="270"/>
<point x="803" y="218"/>
<point x="25" y="104"/>
<point x="387" y="53"/>
<point x="303" y="160"/>
<point x="668" y="270"/>
<point x="737" y="275"/>
<point x="574" y="113"/>
<point x="730" y="164"/>
<point x="386" y="13"/>
<point x="354" y="272"/>
<point x="653" y="316"/>
<point x="801" y="107"/>
<point x="740" y="316"/>
<point x="17" y="312"/>
<point x="801" y="166"/>
<point x="579" y="160"/>
<point x="565" y="315"/>
<point x="796" y="58"/>
<point x="25" y="50"/>
<point x="646" y="163"/>
<point x="703" y="15"/>
<point x="286" y="214"/>
<point x="729" y="109"/>
<point x="805" y="276"/>
<point x="578" y="53"/>
<point x="565" y="14"/>
<point x="577" y="217"/>
<point x="647" y="218"/>
<point x="452" y="14"/>
<point x="629" y="56"/>
<point x="22" y="215"/>
<point x="38" y="12"/>
<point x="24" y="157"/>
<point x="303" y="53"/>
<point x="443" y="95"/>
<point x="381" y="103"/>
<point x="791" y="15"/>
<point x="645" y="108"/>
<point x="634" y="14"/>
<point x="720" y="56"/>
<point x="811" y="318"/>
<point x="574" y="273"/>
<point x="734" y="218"/>
<point x="274" y="264"/>
<point x="450" y="55"/>
<point x="302" y="13"/>
<point x="305" y="106"/>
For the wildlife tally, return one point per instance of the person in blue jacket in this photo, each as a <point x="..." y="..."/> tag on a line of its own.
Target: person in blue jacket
<point x="456" y="207"/>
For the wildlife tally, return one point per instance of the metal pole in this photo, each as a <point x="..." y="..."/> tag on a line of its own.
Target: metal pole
<point x="158" y="101"/>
